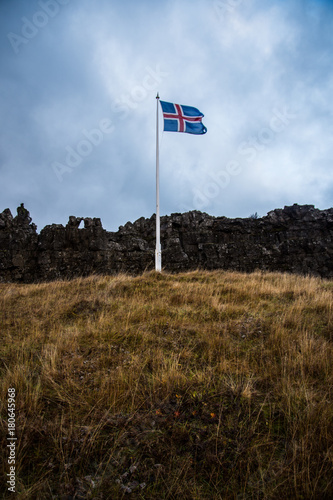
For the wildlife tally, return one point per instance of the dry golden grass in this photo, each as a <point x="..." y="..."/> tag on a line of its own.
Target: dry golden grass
<point x="196" y="386"/>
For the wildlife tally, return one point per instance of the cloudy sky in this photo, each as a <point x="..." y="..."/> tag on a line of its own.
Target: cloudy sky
<point x="78" y="83"/>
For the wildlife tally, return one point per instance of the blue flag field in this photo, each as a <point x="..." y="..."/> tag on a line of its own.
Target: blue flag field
<point x="179" y="118"/>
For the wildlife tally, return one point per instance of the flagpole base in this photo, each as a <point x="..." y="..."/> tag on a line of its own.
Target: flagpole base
<point x="158" y="261"/>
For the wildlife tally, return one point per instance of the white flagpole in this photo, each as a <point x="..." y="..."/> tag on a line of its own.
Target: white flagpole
<point x="158" y="256"/>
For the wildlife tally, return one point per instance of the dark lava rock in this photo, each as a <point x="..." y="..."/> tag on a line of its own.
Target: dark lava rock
<point x="296" y="239"/>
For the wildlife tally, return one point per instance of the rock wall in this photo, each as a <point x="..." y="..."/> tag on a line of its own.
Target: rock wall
<point x="297" y="239"/>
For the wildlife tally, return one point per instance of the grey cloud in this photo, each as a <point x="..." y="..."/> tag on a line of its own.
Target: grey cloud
<point x="89" y="62"/>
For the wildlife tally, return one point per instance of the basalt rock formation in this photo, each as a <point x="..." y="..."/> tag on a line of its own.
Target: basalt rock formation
<point x="297" y="239"/>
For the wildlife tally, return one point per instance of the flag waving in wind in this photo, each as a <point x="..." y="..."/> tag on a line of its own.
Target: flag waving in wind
<point x="179" y="118"/>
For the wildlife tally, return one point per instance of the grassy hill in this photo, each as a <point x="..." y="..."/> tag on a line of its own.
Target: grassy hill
<point x="204" y="385"/>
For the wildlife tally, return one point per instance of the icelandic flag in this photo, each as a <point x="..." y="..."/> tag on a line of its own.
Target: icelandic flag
<point x="178" y="118"/>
